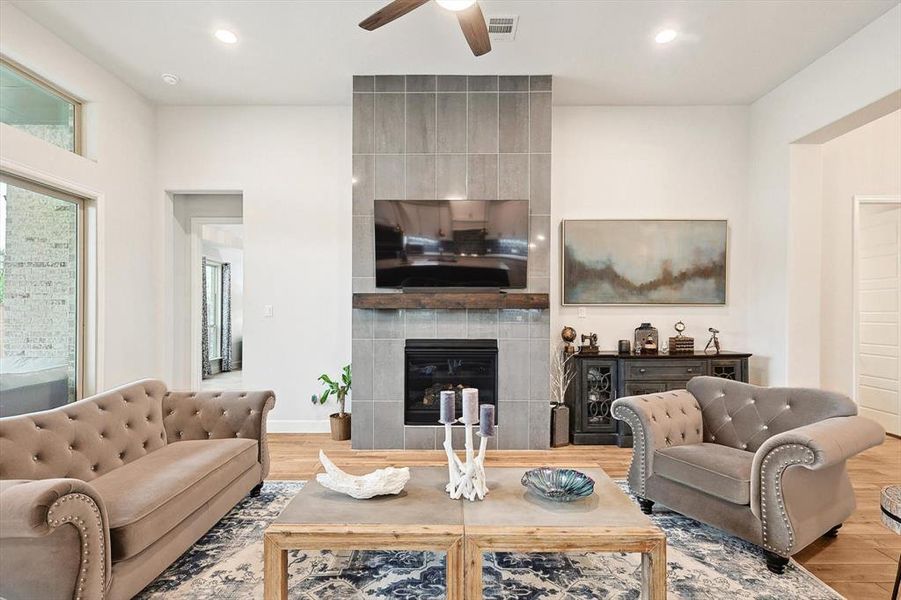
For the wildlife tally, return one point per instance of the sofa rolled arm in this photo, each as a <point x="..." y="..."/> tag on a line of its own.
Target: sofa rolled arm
<point x="35" y="508"/>
<point x="219" y="415"/>
<point x="816" y="447"/>
<point x="658" y="421"/>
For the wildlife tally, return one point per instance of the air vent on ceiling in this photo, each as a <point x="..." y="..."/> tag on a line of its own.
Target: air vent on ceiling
<point x="502" y="29"/>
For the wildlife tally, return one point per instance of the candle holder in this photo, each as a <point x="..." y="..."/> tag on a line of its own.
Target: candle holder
<point x="467" y="479"/>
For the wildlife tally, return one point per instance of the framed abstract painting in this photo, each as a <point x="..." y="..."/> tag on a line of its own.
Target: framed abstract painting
<point x="644" y="262"/>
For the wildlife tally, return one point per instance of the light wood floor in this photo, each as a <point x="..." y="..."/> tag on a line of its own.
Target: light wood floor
<point x="860" y="563"/>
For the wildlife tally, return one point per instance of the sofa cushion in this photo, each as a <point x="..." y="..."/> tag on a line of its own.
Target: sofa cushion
<point x="146" y="498"/>
<point x="715" y="469"/>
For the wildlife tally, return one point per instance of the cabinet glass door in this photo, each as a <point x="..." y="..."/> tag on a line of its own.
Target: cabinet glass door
<point x="598" y="393"/>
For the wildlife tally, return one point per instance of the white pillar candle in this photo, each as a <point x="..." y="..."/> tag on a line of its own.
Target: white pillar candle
<point x="470" y="406"/>
<point x="448" y="407"/>
<point x="486" y="420"/>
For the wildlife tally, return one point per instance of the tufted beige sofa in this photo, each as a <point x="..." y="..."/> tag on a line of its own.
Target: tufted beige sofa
<point x="765" y="464"/>
<point x="98" y="497"/>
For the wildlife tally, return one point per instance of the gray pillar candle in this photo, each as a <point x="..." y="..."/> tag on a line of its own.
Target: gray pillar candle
<point x="486" y="420"/>
<point x="448" y="407"/>
<point x="470" y="406"/>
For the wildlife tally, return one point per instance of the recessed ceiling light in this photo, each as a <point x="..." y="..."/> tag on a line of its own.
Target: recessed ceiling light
<point x="170" y="78"/>
<point x="666" y="36"/>
<point x="455" y="5"/>
<point x="226" y="37"/>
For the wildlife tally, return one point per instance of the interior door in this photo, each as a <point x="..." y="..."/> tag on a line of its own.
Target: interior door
<point x="878" y="285"/>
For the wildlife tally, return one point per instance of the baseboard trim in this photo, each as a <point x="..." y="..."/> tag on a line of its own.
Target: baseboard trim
<point x="297" y="426"/>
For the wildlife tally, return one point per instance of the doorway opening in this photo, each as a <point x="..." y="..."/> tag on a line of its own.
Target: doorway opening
<point x="222" y="305"/>
<point x="207" y="290"/>
<point x="844" y="298"/>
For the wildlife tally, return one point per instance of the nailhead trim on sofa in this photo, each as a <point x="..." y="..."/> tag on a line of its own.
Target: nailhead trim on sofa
<point x="628" y="415"/>
<point x="73" y="508"/>
<point x="772" y="469"/>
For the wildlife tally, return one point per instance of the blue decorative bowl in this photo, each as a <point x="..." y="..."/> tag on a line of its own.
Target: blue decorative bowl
<point x="559" y="485"/>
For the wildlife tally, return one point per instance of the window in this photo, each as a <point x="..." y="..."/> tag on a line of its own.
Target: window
<point x="40" y="297"/>
<point x="214" y="308"/>
<point x="29" y="103"/>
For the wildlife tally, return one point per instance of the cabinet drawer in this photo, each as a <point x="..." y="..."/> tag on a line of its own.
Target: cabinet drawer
<point x="662" y="369"/>
<point x="642" y="389"/>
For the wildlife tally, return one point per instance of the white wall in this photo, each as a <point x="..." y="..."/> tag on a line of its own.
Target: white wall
<point x="118" y="169"/>
<point x="860" y="71"/>
<point x="866" y="161"/>
<point x="293" y="166"/>
<point x="654" y="163"/>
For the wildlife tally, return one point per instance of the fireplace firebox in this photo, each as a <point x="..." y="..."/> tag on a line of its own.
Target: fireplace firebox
<point x="432" y="366"/>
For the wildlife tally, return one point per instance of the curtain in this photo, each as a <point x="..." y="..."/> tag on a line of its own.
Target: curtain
<point x="226" y="337"/>
<point x="205" y="368"/>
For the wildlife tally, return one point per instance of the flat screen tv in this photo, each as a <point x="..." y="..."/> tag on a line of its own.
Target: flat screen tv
<point x="451" y="243"/>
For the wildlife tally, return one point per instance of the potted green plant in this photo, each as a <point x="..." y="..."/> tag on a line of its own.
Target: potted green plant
<point x="339" y="421"/>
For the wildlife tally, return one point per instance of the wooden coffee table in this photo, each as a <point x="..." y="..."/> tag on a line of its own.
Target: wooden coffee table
<point x="423" y="518"/>
<point x="510" y="519"/>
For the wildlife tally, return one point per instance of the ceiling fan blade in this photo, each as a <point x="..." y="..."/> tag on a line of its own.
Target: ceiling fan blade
<point x="392" y="11"/>
<point x="472" y="22"/>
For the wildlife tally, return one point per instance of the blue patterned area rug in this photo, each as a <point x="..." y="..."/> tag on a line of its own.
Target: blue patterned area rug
<point x="702" y="564"/>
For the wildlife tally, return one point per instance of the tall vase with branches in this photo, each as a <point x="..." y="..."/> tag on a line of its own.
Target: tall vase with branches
<point x="562" y="373"/>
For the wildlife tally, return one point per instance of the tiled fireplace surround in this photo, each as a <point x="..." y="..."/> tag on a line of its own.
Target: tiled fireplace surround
<point x="435" y="137"/>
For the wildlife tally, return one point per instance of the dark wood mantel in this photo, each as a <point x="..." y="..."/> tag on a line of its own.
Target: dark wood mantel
<point x="451" y="300"/>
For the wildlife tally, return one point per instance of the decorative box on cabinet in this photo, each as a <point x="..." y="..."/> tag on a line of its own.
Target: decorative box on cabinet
<point x="602" y="378"/>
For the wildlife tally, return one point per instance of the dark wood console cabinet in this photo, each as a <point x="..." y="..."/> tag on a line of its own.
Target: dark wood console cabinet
<point x="601" y="378"/>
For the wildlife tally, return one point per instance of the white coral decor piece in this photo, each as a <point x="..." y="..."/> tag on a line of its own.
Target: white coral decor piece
<point x="378" y="483"/>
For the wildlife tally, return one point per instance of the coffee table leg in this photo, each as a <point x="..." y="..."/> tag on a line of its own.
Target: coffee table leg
<point x="472" y="569"/>
<point x="275" y="570"/>
<point x="653" y="573"/>
<point x="455" y="571"/>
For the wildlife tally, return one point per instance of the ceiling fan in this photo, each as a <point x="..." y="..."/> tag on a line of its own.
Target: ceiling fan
<point x="470" y="16"/>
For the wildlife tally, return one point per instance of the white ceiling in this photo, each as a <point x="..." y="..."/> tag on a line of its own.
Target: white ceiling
<point x="600" y="52"/>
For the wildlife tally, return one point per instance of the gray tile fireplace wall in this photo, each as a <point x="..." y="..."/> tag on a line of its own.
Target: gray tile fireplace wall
<point x="447" y="137"/>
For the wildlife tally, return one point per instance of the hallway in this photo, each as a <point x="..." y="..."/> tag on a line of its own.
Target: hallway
<point x="230" y="380"/>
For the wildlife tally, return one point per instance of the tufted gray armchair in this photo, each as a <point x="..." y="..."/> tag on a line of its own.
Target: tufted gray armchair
<point x="764" y="464"/>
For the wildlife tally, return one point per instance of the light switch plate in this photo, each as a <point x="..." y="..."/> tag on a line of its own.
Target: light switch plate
<point x="267" y="310"/>
<point x="582" y="313"/>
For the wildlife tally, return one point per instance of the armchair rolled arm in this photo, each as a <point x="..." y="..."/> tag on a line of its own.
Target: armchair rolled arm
<point x="830" y="441"/>
<point x="35" y="508"/>
<point x="817" y="447"/>
<point x="219" y="415"/>
<point x="657" y="421"/>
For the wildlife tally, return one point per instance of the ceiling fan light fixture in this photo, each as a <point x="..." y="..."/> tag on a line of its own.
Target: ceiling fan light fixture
<point x="469" y="16"/>
<point x="455" y="5"/>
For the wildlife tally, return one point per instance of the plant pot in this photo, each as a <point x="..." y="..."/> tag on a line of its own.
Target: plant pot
<point x="340" y="426"/>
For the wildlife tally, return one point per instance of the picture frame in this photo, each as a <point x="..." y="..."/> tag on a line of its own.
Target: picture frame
<point x="641" y="262"/>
